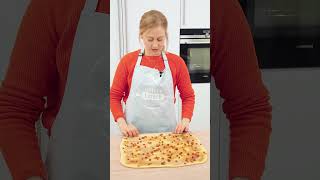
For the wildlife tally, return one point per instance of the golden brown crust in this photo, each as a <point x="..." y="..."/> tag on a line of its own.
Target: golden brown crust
<point x="162" y="150"/>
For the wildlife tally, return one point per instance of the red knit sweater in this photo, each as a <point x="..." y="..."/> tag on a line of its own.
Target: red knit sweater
<point x="39" y="65"/>
<point x="246" y="100"/>
<point x="123" y="77"/>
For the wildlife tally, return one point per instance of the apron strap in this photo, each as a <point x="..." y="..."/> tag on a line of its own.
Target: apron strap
<point x="141" y="53"/>
<point x="164" y="56"/>
<point x="90" y="7"/>
<point x="165" y="59"/>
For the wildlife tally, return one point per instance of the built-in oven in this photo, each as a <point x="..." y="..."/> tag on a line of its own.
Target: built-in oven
<point x="286" y="32"/>
<point x="195" y="51"/>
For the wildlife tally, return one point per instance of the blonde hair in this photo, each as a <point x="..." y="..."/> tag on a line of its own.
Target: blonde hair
<point x="152" y="19"/>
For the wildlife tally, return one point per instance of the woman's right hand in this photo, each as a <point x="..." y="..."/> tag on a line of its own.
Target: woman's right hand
<point x="128" y="130"/>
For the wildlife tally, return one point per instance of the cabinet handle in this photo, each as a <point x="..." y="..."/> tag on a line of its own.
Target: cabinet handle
<point x="183" y="9"/>
<point x="122" y="27"/>
<point x="305" y="46"/>
<point x="280" y="13"/>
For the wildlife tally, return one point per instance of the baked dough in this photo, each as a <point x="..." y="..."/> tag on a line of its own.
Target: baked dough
<point x="162" y="150"/>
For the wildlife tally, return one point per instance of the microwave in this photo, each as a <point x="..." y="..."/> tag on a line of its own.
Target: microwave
<point x="195" y="51"/>
<point x="286" y="33"/>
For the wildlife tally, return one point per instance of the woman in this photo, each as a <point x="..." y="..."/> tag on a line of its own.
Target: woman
<point x="146" y="80"/>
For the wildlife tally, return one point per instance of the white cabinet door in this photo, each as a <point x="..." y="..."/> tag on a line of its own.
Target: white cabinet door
<point x="135" y="9"/>
<point x="195" y="13"/>
<point x="201" y="113"/>
<point x="114" y="51"/>
<point x="114" y="38"/>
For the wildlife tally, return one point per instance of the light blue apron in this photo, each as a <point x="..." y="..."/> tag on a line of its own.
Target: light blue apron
<point x="150" y="105"/>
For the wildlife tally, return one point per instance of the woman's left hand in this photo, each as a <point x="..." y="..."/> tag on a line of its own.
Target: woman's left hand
<point x="182" y="126"/>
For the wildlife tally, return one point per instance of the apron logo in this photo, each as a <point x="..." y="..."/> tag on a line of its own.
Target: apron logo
<point x="152" y="94"/>
<point x="152" y="97"/>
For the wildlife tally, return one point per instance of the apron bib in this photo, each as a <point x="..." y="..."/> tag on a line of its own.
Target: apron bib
<point x="150" y="105"/>
<point x="77" y="148"/>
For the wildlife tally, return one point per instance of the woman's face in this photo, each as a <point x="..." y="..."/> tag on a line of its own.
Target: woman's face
<point x="154" y="41"/>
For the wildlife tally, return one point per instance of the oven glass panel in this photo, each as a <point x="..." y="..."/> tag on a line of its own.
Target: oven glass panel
<point x="198" y="60"/>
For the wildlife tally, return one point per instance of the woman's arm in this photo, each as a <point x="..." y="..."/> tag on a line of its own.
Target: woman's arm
<point x="246" y="99"/>
<point x="185" y="89"/>
<point x="187" y="96"/>
<point x="118" y="88"/>
<point x="22" y="92"/>
<point x="117" y="92"/>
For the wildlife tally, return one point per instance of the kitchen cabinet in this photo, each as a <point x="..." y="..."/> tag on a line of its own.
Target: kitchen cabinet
<point x="115" y="49"/>
<point x="115" y="38"/>
<point x="215" y="123"/>
<point x="293" y="151"/>
<point x="294" y="146"/>
<point x="201" y="113"/>
<point x="195" y="14"/>
<point x="133" y="12"/>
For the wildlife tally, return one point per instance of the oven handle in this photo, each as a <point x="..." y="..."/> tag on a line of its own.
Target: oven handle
<point x="194" y="41"/>
<point x="198" y="36"/>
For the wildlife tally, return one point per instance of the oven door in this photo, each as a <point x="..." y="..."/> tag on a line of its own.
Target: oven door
<point x="286" y="33"/>
<point x="196" y="54"/>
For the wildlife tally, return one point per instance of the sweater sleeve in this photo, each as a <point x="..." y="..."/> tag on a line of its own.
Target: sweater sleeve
<point x="22" y="91"/>
<point x="246" y="99"/>
<point x="118" y="89"/>
<point x="186" y="91"/>
<point x="103" y="6"/>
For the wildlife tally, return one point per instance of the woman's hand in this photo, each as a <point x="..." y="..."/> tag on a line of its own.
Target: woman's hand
<point x="128" y="130"/>
<point x="183" y="126"/>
